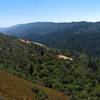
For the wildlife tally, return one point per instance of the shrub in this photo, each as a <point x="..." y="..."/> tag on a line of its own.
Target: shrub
<point x="41" y="96"/>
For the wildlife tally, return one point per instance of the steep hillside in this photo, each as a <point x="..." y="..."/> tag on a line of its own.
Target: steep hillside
<point x="14" y="88"/>
<point x="77" y="76"/>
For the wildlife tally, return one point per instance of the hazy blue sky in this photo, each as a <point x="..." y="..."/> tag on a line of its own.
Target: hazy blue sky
<point x="24" y="11"/>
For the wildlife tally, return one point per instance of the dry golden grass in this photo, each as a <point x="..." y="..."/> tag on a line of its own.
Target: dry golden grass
<point x="14" y="88"/>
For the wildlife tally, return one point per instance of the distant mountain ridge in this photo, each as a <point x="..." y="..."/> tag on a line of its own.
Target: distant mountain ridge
<point x="40" y="28"/>
<point x="74" y="36"/>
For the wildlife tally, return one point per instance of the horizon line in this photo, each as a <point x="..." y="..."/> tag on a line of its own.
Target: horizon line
<point x="49" y="22"/>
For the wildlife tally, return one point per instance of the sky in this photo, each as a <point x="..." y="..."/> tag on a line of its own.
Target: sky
<point x="25" y="11"/>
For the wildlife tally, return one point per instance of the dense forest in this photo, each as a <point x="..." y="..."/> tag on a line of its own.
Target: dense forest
<point x="74" y="40"/>
<point x="78" y="78"/>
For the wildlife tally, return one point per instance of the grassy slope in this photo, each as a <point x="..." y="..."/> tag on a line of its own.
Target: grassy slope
<point x="13" y="87"/>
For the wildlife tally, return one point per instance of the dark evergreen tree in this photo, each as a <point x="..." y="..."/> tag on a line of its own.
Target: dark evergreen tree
<point x="31" y="70"/>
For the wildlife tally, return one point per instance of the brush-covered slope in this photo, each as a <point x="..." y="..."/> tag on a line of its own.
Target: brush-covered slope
<point x="77" y="76"/>
<point x="14" y="88"/>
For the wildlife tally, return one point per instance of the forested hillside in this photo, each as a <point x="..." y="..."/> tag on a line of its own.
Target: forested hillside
<point x="74" y="37"/>
<point x="76" y="76"/>
<point x="74" y="40"/>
